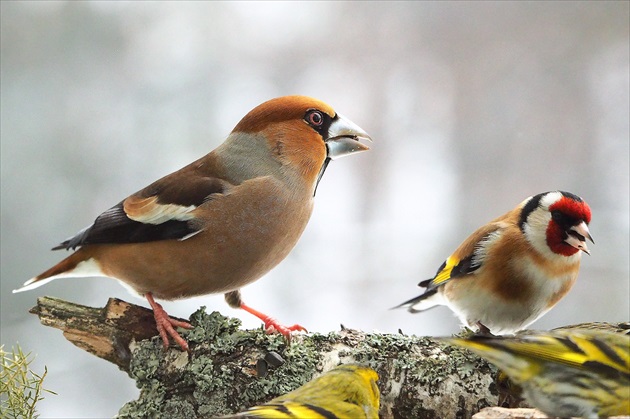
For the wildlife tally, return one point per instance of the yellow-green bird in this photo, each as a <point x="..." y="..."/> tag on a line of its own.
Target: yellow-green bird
<point x="564" y="373"/>
<point x="347" y="391"/>
<point x="511" y="394"/>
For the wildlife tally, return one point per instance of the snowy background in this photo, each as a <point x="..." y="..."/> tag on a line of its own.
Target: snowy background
<point x="472" y="107"/>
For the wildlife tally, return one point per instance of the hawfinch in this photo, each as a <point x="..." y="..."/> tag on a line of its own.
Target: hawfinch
<point x="513" y="270"/>
<point x="221" y="222"/>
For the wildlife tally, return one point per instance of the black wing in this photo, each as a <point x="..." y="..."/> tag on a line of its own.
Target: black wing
<point x="117" y="226"/>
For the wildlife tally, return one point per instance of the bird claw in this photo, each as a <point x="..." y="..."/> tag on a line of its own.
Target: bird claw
<point x="166" y="325"/>
<point x="272" y="326"/>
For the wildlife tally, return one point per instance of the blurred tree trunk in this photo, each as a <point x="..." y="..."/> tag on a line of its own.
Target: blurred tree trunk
<point x="229" y="369"/>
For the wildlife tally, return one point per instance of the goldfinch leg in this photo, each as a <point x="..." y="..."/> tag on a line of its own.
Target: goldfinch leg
<point x="483" y="330"/>
<point x="271" y="324"/>
<point x="166" y="325"/>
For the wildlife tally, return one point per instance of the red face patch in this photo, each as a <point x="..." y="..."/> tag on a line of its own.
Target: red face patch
<point x="556" y="234"/>
<point x="555" y="240"/>
<point x="573" y="209"/>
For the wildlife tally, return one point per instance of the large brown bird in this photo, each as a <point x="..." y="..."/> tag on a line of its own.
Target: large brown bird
<point x="222" y="221"/>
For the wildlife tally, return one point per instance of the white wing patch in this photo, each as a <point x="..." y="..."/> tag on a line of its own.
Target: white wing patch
<point x="148" y="211"/>
<point x="481" y="249"/>
<point x="163" y="213"/>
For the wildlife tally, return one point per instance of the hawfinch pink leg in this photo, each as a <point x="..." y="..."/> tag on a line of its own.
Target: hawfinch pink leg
<point x="271" y="324"/>
<point x="166" y="325"/>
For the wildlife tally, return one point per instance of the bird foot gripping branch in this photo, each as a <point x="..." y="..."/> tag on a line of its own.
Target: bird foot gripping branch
<point x="272" y="325"/>
<point x="166" y="325"/>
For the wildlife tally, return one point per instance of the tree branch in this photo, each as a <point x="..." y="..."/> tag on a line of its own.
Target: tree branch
<point x="229" y="369"/>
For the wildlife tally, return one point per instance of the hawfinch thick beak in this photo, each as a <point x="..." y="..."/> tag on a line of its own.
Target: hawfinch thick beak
<point x="343" y="138"/>
<point x="577" y="237"/>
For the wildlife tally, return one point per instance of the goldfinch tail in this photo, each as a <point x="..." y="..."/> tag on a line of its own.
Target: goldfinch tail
<point x="423" y="302"/>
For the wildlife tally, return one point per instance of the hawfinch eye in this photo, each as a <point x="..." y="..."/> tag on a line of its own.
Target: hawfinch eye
<point x="314" y="118"/>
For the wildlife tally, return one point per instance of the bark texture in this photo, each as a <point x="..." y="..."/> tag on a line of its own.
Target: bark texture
<point x="229" y="369"/>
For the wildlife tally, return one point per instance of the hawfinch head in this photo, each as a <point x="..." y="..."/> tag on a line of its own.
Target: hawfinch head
<point x="303" y="133"/>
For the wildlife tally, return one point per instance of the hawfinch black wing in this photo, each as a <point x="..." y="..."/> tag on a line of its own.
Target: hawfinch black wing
<point x="161" y="211"/>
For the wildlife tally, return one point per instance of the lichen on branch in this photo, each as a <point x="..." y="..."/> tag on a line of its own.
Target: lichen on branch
<point x="226" y="371"/>
<point x="229" y="369"/>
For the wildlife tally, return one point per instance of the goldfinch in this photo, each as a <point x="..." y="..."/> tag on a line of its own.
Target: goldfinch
<point x="514" y="269"/>
<point x="347" y="391"/>
<point x="564" y="373"/>
<point x="222" y="221"/>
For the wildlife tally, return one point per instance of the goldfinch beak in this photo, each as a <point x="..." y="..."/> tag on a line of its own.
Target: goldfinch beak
<point x="577" y="236"/>
<point x="343" y="138"/>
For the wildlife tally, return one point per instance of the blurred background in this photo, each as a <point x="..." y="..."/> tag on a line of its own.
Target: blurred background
<point x="472" y="106"/>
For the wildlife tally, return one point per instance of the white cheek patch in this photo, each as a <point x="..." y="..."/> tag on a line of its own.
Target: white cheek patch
<point x="535" y="230"/>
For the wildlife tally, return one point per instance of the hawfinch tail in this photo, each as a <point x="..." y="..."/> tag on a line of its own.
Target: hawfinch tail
<point x="513" y="270"/>
<point x="224" y="220"/>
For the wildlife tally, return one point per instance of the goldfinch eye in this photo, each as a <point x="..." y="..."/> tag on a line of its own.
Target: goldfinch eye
<point x="558" y="216"/>
<point x="314" y="118"/>
<point x="562" y="218"/>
